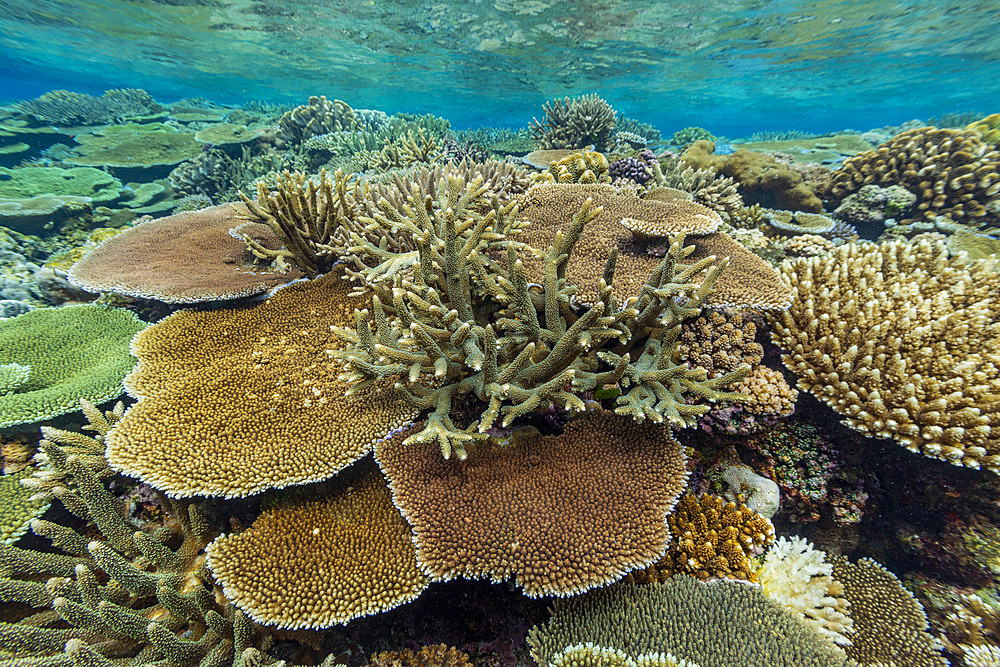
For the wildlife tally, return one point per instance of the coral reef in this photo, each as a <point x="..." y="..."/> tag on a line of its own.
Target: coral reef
<point x="743" y="485"/>
<point x="142" y="261"/>
<point x="241" y="399"/>
<point x="64" y="108"/>
<point x="318" y="116"/>
<point x="438" y="655"/>
<point x="797" y="576"/>
<point x="18" y="508"/>
<point x="900" y="340"/>
<point x="871" y="205"/>
<point x="748" y="282"/>
<point x="559" y="514"/>
<point x="150" y="146"/>
<point x="762" y="180"/>
<point x="952" y="173"/>
<point x="808" y="245"/>
<point x="72" y="353"/>
<point x="799" y="222"/>
<point x="313" y="563"/>
<point x="988" y="128"/>
<point x="718" y="624"/>
<point x="583" y="167"/>
<point x="630" y="168"/>
<point x="439" y="358"/>
<point x="889" y="624"/>
<point x="689" y="135"/>
<point x="707" y="188"/>
<point x="711" y="539"/>
<point x="575" y="123"/>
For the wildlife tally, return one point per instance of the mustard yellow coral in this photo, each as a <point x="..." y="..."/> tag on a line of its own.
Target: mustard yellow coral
<point x="237" y="400"/>
<point x="903" y="342"/>
<point x="313" y="563"/>
<point x="711" y="538"/>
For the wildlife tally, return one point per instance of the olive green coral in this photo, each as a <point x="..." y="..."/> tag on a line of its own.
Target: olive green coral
<point x="17" y="508"/>
<point x="575" y="123"/>
<point x="441" y="344"/>
<point x="718" y="624"/>
<point x="73" y="352"/>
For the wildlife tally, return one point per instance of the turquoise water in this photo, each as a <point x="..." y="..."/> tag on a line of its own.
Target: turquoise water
<point x="732" y="67"/>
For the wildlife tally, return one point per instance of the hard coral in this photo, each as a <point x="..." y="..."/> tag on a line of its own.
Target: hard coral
<point x="313" y="563"/>
<point x="560" y="514"/>
<point x="143" y="261"/>
<point x="515" y="349"/>
<point x="583" y="167"/>
<point x="902" y="341"/>
<point x="318" y="116"/>
<point x="237" y="400"/>
<point x="588" y="655"/>
<point x="71" y="353"/>
<point x="952" y="172"/>
<point x="438" y="655"/>
<point x="719" y="624"/>
<point x="575" y="123"/>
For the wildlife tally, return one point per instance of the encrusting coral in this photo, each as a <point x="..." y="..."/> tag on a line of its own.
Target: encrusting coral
<point x="559" y="514"/>
<point x="903" y="342"/>
<point x="310" y="563"/>
<point x="143" y="261"/>
<point x="889" y="623"/>
<point x="711" y="539"/>
<point x="575" y="123"/>
<point x="797" y="576"/>
<point x="716" y="624"/>
<point x="241" y="399"/>
<point x="759" y="493"/>
<point x="429" y="336"/>
<point x="72" y="352"/>
<point x="953" y="173"/>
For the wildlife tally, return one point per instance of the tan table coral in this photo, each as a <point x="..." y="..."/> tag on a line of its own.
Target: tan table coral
<point x="313" y="563"/>
<point x="560" y="514"/>
<point x="904" y="343"/>
<point x="237" y="400"/>
<point x="185" y="258"/>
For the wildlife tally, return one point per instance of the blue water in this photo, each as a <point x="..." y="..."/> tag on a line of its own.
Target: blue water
<point x="733" y="67"/>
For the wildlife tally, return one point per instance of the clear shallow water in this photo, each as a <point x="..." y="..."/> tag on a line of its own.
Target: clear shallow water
<point x="733" y="67"/>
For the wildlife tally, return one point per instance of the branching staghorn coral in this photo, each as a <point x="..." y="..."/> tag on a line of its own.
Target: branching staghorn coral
<point x="459" y="322"/>
<point x="312" y="220"/>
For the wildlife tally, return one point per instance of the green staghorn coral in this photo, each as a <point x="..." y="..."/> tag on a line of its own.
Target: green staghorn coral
<point x="460" y="320"/>
<point x="17" y="506"/>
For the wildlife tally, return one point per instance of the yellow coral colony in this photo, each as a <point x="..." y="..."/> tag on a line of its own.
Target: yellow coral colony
<point x="903" y="341"/>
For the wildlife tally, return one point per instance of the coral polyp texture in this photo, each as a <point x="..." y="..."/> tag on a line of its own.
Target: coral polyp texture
<point x="61" y="355"/>
<point x="559" y="514"/>
<point x="436" y="655"/>
<point x="715" y="624"/>
<point x="903" y="341"/>
<point x="237" y="400"/>
<point x="314" y="563"/>
<point x="18" y="507"/>
<point x="748" y="282"/>
<point x="953" y="173"/>
<point x="889" y="623"/>
<point x="189" y="257"/>
<point x="588" y="655"/>
<point x="711" y="539"/>
<point x="575" y="123"/>
<point x="318" y="116"/>
<point x="582" y="167"/>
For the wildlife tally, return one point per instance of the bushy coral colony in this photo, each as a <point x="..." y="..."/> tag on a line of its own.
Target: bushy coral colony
<point x="369" y="360"/>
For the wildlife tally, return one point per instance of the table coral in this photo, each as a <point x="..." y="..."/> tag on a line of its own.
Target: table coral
<point x="711" y="539"/>
<point x="889" y="623"/>
<point x="73" y="352"/>
<point x="901" y="341"/>
<point x="237" y="400"/>
<point x="718" y="624"/>
<point x="559" y="514"/>
<point x="313" y="563"/>
<point x="952" y="172"/>
<point x="143" y="261"/>
<point x="132" y="146"/>
<point x="65" y="108"/>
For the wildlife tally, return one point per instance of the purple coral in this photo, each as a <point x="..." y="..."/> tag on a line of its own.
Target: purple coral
<point x="630" y="168"/>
